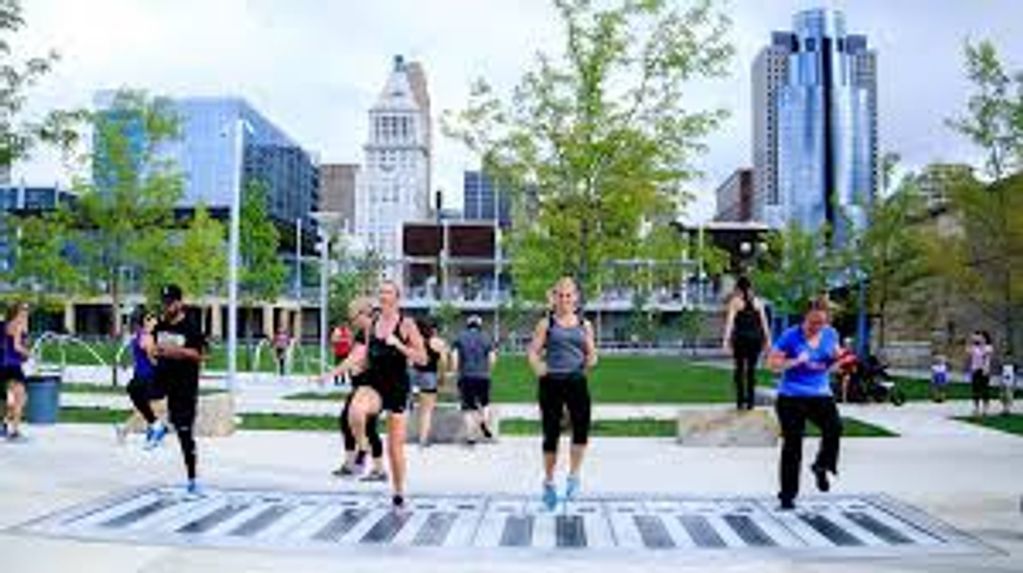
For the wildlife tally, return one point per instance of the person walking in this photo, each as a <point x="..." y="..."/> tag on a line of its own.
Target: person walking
<point x="746" y="335"/>
<point x="143" y="390"/>
<point x="281" y="342"/>
<point x="394" y="342"/>
<point x="426" y="377"/>
<point x="12" y="373"/>
<point x="341" y="343"/>
<point x="473" y="357"/>
<point x="980" y="352"/>
<point x="180" y="349"/>
<point x="803" y="355"/>
<point x="561" y="353"/>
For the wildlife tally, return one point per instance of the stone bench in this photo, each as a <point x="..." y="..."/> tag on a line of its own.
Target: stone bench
<point x="448" y="426"/>
<point x="215" y="417"/>
<point x="728" y="428"/>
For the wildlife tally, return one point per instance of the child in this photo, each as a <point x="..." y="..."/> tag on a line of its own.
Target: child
<point x="1008" y="387"/>
<point x="939" y="378"/>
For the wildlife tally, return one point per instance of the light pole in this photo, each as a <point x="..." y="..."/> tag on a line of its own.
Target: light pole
<point x="234" y="238"/>
<point x="325" y="220"/>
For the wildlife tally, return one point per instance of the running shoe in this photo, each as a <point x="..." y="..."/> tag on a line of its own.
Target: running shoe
<point x="347" y="470"/>
<point x="3" y="430"/>
<point x="572" y="487"/>
<point x="155" y="435"/>
<point x="486" y="431"/>
<point x="821" y="475"/>
<point x="374" y="476"/>
<point x="121" y="433"/>
<point x="193" y="489"/>
<point x="550" y="496"/>
<point x="16" y="437"/>
<point x="398" y="503"/>
<point x="787" y="505"/>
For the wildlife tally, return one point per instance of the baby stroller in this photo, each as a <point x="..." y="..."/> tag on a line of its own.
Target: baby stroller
<point x="877" y="385"/>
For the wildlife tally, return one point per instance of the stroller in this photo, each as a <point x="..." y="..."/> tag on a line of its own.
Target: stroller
<point x="869" y="381"/>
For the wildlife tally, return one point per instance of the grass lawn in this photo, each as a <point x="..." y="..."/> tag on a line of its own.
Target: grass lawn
<point x="1013" y="423"/>
<point x="88" y="388"/>
<point x="651" y="428"/>
<point x="78" y="415"/>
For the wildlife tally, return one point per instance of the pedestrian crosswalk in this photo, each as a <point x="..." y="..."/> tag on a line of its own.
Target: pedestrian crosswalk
<point x="846" y="526"/>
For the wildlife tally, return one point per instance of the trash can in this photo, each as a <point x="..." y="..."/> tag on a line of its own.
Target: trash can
<point x="43" y="399"/>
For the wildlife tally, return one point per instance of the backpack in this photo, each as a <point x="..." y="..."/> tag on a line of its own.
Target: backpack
<point x="746" y="326"/>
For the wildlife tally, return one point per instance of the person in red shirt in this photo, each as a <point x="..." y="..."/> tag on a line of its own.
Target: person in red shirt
<point x="341" y="340"/>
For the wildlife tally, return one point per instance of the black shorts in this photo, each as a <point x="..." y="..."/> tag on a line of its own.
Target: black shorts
<point x="182" y="402"/>
<point x="150" y="388"/>
<point x="475" y="392"/>
<point x="12" y="373"/>
<point x="394" y="395"/>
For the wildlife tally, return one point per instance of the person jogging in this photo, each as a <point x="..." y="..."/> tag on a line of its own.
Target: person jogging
<point x="473" y="357"/>
<point x="180" y="347"/>
<point x="561" y="352"/>
<point x="12" y="372"/>
<point x="426" y="377"/>
<point x="143" y="390"/>
<point x="746" y="336"/>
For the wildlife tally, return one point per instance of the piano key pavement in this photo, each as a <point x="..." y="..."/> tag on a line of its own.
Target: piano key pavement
<point x="843" y="526"/>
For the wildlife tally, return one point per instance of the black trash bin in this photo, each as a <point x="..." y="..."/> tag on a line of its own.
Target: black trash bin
<point x="43" y="399"/>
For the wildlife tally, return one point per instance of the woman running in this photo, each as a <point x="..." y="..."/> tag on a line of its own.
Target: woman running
<point x="746" y="336"/>
<point x="561" y="353"/>
<point x="143" y="389"/>
<point x="360" y="315"/>
<point x="803" y="355"/>
<point x="394" y="341"/>
<point x="12" y="373"/>
<point x="425" y="377"/>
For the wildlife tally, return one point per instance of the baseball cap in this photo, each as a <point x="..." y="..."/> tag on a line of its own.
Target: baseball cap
<point x="474" y="320"/>
<point x="171" y="293"/>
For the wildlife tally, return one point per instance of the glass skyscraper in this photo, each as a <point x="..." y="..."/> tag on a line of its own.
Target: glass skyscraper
<point x="815" y="125"/>
<point x="483" y="201"/>
<point x="205" y="155"/>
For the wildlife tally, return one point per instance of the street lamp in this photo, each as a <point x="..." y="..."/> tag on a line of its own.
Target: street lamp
<point x="241" y="126"/>
<point x="326" y="221"/>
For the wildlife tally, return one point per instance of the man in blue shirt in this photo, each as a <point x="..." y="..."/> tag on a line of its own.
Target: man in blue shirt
<point x="803" y="355"/>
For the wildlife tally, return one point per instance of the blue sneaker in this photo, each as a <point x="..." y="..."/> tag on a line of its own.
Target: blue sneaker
<point x="572" y="487"/>
<point x="550" y="496"/>
<point x="155" y="435"/>
<point x="3" y="430"/>
<point x="193" y="489"/>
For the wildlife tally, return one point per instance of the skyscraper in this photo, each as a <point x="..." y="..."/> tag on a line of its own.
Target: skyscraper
<point x="815" y="146"/>
<point x="394" y="184"/>
<point x="337" y="191"/>
<point x="483" y="200"/>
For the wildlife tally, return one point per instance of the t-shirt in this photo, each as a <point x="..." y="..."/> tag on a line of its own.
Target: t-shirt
<point x="810" y="378"/>
<point x="473" y="347"/>
<point x="342" y="341"/>
<point x="184" y="333"/>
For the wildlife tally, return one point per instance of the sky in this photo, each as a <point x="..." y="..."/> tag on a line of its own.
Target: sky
<point x="314" y="67"/>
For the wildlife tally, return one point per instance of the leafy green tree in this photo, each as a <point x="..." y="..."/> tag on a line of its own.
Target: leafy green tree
<point x="357" y="277"/>
<point x="43" y="272"/>
<point x="261" y="274"/>
<point x="130" y="198"/>
<point x="597" y="139"/>
<point x="447" y="315"/>
<point x="795" y="269"/>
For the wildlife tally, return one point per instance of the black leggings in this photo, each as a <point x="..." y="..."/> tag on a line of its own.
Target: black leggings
<point x="793" y="413"/>
<point x="182" y="400"/>
<point x="980" y="385"/>
<point x="746" y="355"/>
<point x="142" y="394"/>
<point x="375" y="445"/>
<point x="556" y="392"/>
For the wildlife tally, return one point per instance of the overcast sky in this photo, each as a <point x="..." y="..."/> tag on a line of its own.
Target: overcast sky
<point x="315" y="66"/>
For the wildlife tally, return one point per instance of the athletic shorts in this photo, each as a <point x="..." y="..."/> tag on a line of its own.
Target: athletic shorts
<point x="9" y="373"/>
<point x="394" y="395"/>
<point x="152" y="389"/>
<point x="425" y="381"/>
<point x="475" y="392"/>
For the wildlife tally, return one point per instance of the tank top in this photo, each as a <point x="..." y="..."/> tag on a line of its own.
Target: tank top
<point x="11" y="356"/>
<point x="746" y="324"/>
<point x="362" y="378"/>
<point x="565" y="348"/>
<point x="144" y="367"/>
<point x="432" y="360"/>
<point x="387" y="365"/>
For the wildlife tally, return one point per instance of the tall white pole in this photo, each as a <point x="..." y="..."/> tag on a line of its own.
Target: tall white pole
<point x="298" y="258"/>
<point x="233" y="255"/>
<point x="324" y="261"/>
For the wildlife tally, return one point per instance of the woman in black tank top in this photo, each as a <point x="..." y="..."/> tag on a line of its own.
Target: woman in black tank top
<point x="426" y="377"/>
<point x="394" y="342"/>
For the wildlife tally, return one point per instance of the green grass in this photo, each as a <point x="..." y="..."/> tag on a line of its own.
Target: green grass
<point x="90" y="415"/>
<point x="632" y="428"/>
<point x="1012" y="424"/>
<point x="89" y="388"/>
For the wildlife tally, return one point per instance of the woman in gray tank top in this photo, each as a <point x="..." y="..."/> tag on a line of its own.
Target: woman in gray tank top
<point x="561" y="352"/>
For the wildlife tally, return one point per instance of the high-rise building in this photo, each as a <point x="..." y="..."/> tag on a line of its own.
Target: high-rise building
<point x="735" y="197"/>
<point x="205" y="154"/>
<point x="337" y="191"/>
<point x="393" y="186"/>
<point x="936" y="181"/>
<point x="815" y="143"/>
<point x="483" y="200"/>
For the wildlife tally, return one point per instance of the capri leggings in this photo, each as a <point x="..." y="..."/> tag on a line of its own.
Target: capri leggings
<point x="375" y="445"/>
<point x="558" y="391"/>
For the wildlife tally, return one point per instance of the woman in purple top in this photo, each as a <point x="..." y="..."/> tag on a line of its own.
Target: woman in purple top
<point x="980" y="352"/>
<point x="803" y="355"/>
<point x="12" y="375"/>
<point x="143" y="388"/>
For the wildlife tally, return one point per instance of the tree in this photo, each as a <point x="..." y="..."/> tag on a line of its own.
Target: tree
<point x="690" y="325"/>
<point x="130" y="198"/>
<point x="598" y="139"/>
<point x="43" y="272"/>
<point x="795" y="269"/>
<point x="357" y="277"/>
<point x="261" y="273"/>
<point x="982" y="261"/>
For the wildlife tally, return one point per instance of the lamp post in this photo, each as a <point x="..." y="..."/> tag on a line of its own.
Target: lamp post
<point x="234" y="238"/>
<point x="326" y="221"/>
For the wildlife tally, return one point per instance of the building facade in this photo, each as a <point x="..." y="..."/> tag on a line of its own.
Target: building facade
<point x="816" y="148"/>
<point x="735" y="197"/>
<point x="337" y="191"/>
<point x="395" y="178"/>
<point x="483" y="200"/>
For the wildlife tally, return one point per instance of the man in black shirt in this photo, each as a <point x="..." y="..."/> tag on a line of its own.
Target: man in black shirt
<point x="180" y="346"/>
